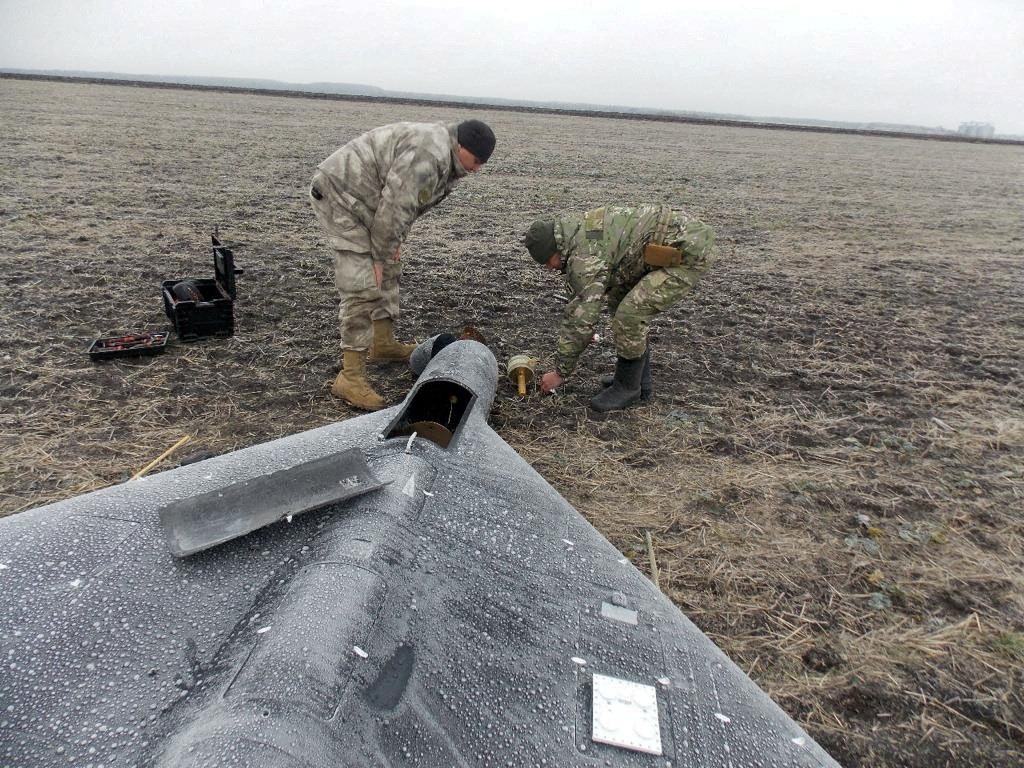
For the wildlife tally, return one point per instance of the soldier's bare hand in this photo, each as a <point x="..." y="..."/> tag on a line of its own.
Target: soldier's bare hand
<point x="397" y="254"/>
<point x="378" y="274"/>
<point x="550" y="381"/>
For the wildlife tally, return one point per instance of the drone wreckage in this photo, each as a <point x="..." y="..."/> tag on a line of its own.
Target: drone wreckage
<point x="444" y="606"/>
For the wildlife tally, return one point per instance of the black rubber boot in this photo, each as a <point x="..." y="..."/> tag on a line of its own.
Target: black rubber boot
<point x="646" y="386"/>
<point x="625" y="389"/>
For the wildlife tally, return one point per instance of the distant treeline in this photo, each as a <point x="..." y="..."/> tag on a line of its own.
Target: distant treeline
<point x="368" y="94"/>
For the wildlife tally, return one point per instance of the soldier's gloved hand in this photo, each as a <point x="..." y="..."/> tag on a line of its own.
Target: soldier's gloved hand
<point x="550" y="381"/>
<point x="378" y="274"/>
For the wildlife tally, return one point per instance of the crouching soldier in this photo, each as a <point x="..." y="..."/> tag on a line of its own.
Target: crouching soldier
<point x="639" y="259"/>
<point x="366" y="197"/>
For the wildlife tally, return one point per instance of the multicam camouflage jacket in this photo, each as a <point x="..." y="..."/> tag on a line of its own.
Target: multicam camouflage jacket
<point x="389" y="176"/>
<point x="603" y="260"/>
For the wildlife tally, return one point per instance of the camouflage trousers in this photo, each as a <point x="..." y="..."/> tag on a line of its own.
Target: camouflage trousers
<point x="633" y="307"/>
<point x="362" y="301"/>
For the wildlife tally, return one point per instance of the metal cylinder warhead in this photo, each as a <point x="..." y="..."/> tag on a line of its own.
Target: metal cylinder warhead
<point x="521" y="369"/>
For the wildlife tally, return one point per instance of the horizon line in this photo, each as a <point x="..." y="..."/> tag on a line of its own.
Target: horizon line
<point x="293" y="90"/>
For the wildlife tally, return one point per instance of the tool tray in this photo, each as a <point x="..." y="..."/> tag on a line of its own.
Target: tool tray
<point x="129" y="345"/>
<point x="202" y="308"/>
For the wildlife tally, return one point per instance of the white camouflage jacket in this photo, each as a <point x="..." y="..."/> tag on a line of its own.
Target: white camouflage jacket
<point x="389" y="176"/>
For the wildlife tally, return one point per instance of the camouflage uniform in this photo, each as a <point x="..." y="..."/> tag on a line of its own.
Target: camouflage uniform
<point x="366" y="197"/>
<point x="602" y="253"/>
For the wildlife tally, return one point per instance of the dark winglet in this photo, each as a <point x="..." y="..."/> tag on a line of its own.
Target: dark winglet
<point x="200" y="522"/>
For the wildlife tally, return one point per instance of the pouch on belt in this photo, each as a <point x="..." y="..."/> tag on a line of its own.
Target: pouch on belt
<point x="662" y="256"/>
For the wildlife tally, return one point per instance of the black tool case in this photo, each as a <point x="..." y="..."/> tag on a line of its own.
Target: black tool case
<point x="203" y="308"/>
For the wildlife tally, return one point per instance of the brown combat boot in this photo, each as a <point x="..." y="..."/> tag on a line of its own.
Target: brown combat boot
<point x="352" y="386"/>
<point x="384" y="348"/>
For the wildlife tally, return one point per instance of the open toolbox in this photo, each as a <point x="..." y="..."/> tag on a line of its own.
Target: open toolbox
<point x="130" y="345"/>
<point x="201" y="308"/>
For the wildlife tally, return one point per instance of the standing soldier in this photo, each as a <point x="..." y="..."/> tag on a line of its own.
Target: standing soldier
<point x="366" y="197"/>
<point x="640" y="259"/>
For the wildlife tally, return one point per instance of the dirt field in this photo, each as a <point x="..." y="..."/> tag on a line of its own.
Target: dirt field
<point x="831" y="467"/>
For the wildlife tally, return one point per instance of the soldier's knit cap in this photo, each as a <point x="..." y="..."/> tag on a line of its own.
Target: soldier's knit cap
<point x="540" y="240"/>
<point x="477" y="137"/>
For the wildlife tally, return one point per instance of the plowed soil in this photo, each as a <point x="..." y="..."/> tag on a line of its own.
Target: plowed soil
<point x="831" y="466"/>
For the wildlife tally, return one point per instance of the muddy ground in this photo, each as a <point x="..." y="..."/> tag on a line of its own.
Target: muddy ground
<point x="831" y="467"/>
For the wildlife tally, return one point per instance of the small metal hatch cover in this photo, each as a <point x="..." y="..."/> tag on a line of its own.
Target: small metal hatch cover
<point x="200" y="522"/>
<point x="626" y="714"/>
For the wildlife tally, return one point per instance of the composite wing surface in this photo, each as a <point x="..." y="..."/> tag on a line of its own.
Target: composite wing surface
<point x="462" y="614"/>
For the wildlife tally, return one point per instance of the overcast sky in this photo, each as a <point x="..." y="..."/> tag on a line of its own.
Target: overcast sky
<point x="934" y="63"/>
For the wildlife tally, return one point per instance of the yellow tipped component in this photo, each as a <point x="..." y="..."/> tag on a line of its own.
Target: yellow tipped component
<point x="520" y="370"/>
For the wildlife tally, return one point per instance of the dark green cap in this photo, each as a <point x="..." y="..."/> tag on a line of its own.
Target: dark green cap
<point x="540" y="240"/>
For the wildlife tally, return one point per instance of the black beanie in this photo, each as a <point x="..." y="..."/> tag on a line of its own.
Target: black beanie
<point x="540" y="240"/>
<point x="477" y="137"/>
